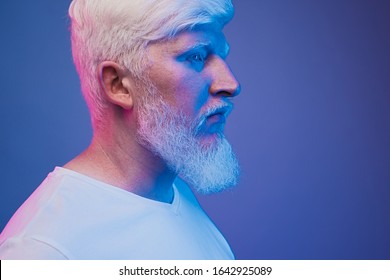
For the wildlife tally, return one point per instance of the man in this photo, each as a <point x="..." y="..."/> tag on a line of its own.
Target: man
<point x="154" y="76"/>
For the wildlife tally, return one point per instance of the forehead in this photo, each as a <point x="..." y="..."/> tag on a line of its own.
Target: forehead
<point x="207" y="36"/>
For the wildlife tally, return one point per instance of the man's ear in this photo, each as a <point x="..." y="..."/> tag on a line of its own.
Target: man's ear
<point x="116" y="84"/>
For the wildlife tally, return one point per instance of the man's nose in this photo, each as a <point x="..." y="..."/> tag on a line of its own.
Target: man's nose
<point x="223" y="80"/>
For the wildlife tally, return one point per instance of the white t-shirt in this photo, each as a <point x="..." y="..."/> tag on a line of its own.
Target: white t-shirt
<point x="72" y="216"/>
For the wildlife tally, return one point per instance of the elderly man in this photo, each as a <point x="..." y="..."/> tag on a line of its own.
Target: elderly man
<point x="154" y="76"/>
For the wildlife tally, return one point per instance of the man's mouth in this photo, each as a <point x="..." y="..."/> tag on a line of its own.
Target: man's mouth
<point x="222" y="111"/>
<point x="216" y="118"/>
<point x="213" y="121"/>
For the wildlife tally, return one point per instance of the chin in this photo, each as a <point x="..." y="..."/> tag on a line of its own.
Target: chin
<point x="213" y="168"/>
<point x="210" y="140"/>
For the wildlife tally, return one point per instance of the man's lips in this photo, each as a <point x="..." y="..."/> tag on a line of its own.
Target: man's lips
<point x="216" y="118"/>
<point x="222" y="111"/>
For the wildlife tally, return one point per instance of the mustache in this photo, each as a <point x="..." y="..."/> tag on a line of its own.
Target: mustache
<point x="223" y="109"/>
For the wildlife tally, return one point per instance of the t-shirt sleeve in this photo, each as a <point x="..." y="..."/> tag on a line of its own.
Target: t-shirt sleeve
<point x="29" y="249"/>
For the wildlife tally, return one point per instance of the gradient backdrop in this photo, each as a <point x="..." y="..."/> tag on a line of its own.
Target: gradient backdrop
<point x="311" y="126"/>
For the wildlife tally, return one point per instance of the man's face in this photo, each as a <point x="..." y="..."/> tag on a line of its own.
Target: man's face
<point x="185" y="104"/>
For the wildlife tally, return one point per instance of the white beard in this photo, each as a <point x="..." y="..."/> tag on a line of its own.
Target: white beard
<point x="174" y="138"/>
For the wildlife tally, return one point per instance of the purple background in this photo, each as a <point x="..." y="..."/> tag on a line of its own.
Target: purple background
<point x="311" y="127"/>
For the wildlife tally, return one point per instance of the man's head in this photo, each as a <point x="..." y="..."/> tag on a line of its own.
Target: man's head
<point x="174" y="51"/>
<point x="121" y="30"/>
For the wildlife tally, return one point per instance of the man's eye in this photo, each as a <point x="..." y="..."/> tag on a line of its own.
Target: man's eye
<point x="197" y="57"/>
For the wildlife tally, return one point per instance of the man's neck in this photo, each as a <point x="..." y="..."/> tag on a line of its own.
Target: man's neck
<point x="128" y="166"/>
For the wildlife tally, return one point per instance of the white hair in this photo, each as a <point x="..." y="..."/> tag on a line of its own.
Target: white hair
<point x="120" y="30"/>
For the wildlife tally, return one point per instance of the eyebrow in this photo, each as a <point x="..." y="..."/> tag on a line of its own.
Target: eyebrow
<point x="209" y="46"/>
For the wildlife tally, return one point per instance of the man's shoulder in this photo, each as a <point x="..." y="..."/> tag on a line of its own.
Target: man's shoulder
<point x="57" y="205"/>
<point x="36" y="204"/>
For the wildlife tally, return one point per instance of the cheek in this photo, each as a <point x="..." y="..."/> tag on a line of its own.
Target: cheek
<point x="184" y="90"/>
<point x="190" y="95"/>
